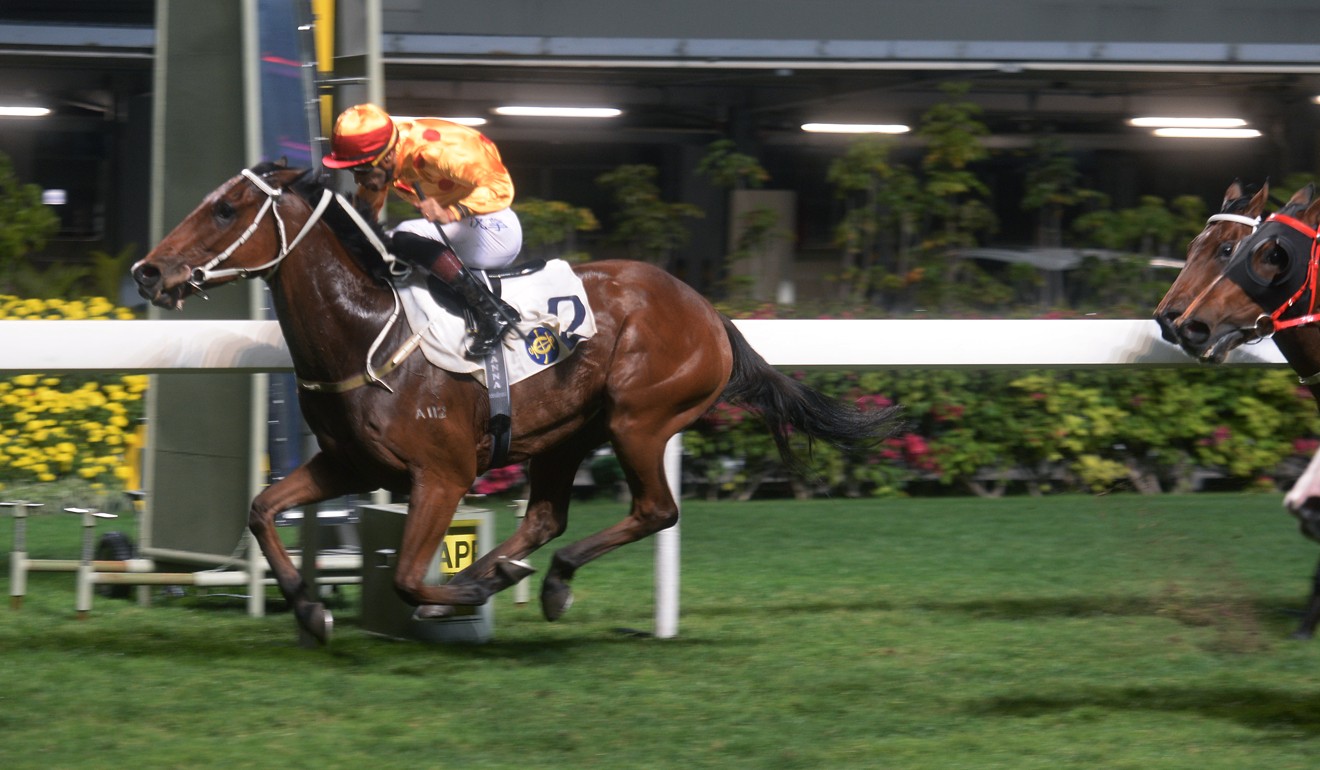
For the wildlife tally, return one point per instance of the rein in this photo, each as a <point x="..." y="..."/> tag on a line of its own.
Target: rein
<point x="205" y="273"/>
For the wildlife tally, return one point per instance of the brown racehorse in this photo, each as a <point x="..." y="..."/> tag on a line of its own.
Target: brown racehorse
<point x="1238" y="215"/>
<point x="661" y="356"/>
<point x="1191" y="315"/>
<point x="1206" y="256"/>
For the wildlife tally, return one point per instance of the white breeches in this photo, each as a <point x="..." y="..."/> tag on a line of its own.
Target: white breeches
<point x="481" y="241"/>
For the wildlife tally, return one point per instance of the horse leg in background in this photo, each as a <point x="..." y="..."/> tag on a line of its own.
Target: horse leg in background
<point x="550" y="481"/>
<point x="1311" y="616"/>
<point x="640" y="448"/>
<point x="316" y="480"/>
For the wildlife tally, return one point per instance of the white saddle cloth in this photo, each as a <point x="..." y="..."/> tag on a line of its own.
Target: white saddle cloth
<point x="555" y="318"/>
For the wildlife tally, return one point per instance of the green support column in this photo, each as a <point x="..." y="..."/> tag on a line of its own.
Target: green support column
<point x="202" y="435"/>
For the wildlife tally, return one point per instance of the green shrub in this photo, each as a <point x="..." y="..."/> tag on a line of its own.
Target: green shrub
<point x="984" y="431"/>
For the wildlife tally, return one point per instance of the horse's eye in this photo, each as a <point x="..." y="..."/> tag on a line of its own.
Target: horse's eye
<point x="1269" y="263"/>
<point x="224" y="212"/>
<point x="1225" y="251"/>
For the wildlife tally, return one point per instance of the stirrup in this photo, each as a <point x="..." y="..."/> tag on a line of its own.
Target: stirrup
<point x="484" y="341"/>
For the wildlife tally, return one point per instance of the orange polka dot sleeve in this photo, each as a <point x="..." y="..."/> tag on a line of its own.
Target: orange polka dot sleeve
<point x="457" y="166"/>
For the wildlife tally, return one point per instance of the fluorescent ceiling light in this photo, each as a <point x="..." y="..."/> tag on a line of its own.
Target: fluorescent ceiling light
<point x="23" y="112"/>
<point x="559" y="112"/>
<point x="855" y="128"/>
<point x="1208" y="133"/>
<point x="1187" y="122"/>
<point x="54" y="197"/>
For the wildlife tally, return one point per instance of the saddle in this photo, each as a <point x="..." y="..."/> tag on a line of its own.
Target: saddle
<point x="548" y="295"/>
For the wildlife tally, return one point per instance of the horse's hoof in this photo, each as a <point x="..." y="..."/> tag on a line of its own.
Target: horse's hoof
<point x="555" y="600"/>
<point x="433" y="612"/>
<point x="513" y="570"/>
<point x="318" y="622"/>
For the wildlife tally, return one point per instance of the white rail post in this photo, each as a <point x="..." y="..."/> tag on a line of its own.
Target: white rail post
<point x="667" y="548"/>
<point x="18" y="561"/>
<point x="522" y="589"/>
<point x="83" y="591"/>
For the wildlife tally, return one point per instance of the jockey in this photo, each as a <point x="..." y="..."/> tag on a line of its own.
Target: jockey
<point x="453" y="175"/>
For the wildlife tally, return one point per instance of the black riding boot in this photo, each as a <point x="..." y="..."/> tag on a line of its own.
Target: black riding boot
<point x="493" y="316"/>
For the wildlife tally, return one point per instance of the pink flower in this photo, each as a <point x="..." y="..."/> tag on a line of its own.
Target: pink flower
<point x="948" y="412"/>
<point x="497" y="480"/>
<point x="873" y="401"/>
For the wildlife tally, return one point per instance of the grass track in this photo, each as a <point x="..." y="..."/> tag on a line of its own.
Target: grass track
<point x="1059" y="632"/>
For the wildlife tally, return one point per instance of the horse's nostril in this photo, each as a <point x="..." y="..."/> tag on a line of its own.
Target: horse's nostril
<point x="1194" y="332"/>
<point x="146" y="274"/>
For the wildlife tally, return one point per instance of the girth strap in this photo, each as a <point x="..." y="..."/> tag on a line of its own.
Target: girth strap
<point x="501" y="404"/>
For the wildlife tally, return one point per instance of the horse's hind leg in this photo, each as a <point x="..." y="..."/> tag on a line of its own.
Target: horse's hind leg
<point x="641" y="455"/>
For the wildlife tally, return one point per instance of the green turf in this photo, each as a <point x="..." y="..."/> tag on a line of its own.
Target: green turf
<point x="1059" y="632"/>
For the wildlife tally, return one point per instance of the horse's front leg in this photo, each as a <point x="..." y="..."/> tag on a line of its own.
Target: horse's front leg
<point x="431" y="505"/>
<point x="317" y="480"/>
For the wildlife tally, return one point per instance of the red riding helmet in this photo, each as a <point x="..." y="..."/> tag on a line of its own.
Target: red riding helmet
<point x="363" y="135"/>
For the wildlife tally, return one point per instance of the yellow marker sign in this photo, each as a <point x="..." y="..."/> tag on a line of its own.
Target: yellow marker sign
<point x="459" y="549"/>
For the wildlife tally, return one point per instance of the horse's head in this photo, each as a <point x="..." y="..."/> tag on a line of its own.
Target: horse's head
<point x="1208" y="252"/>
<point x="1268" y="283"/>
<point x="221" y="240"/>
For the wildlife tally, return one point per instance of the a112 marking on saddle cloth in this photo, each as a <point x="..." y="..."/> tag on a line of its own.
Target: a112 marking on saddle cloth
<point x="555" y="318"/>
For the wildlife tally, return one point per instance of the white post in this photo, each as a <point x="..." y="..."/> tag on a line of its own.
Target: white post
<point x="83" y="587"/>
<point x="522" y="589"/>
<point x="667" y="549"/>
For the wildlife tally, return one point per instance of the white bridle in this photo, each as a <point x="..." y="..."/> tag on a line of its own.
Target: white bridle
<point x="201" y="275"/>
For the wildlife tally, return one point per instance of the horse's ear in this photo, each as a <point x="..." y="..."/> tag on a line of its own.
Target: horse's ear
<point x="1258" y="201"/>
<point x="283" y="162"/>
<point x="1303" y="196"/>
<point x="1312" y="214"/>
<point x="1233" y="192"/>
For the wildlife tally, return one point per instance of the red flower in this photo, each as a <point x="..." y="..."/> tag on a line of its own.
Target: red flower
<point x="873" y="401"/>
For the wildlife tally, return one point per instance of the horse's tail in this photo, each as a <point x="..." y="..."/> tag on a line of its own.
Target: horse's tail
<point x="785" y="403"/>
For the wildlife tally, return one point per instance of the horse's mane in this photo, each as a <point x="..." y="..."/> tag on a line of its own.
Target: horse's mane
<point x="308" y="186"/>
